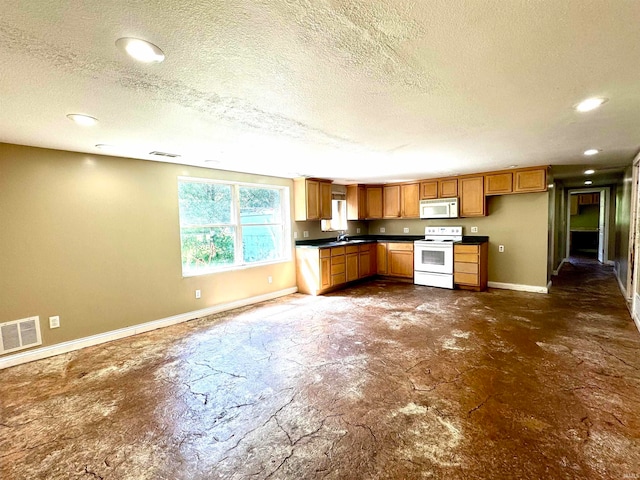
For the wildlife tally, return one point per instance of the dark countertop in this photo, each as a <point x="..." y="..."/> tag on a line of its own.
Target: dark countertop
<point x="356" y="239"/>
<point x="473" y="240"/>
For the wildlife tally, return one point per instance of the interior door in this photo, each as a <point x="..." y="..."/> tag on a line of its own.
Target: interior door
<point x="601" y="227"/>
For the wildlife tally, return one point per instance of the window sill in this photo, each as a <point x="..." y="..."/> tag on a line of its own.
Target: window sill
<point x="233" y="268"/>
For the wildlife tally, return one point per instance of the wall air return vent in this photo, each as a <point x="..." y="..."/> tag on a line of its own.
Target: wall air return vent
<point x="164" y="154"/>
<point x="20" y="334"/>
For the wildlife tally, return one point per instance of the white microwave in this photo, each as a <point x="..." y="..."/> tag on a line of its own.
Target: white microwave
<point x="439" y="208"/>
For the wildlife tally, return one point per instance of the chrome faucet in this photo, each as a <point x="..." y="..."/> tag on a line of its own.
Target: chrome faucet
<point x="342" y="237"/>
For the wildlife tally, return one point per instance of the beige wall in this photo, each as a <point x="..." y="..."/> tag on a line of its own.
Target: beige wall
<point x="519" y="222"/>
<point x="95" y="239"/>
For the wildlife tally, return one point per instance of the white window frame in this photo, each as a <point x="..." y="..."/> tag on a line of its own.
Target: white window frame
<point x="236" y="224"/>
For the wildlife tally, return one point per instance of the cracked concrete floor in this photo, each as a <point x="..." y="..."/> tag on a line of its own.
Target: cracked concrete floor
<point x="383" y="380"/>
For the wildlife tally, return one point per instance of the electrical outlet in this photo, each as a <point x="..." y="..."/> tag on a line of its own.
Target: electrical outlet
<point x="198" y="293"/>
<point x="474" y="229"/>
<point x="295" y="235"/>
<point x="54" y="322"/>
<point x="305" y="234"/>
<point x="270" y="279"/>
<point x="405" y="230"/>
<point x="382" y="229"/>
<point x="501" y="248"/>
<point x="357" y="230"/>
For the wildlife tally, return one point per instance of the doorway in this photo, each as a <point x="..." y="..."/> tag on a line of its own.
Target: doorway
<point x="588" y="223"/>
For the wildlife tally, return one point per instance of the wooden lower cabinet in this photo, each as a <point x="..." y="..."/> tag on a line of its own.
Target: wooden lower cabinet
<point x="321" y="270"/>
<point x="351" y="263"/>
<point x="470" y="266"/>
<point x="395" y="259"/>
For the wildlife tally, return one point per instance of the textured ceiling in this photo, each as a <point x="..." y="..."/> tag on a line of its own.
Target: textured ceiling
<point x="349" y="90"/>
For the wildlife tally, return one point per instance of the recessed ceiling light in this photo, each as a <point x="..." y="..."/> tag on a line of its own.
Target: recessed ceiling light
<point x="588" y="182"/>
<point x="590" y="104"/>
<point x="513" y="166"/>
<point x="84" y="120"/>
<point x="550" y="185"/>
<point x="589" y="172"/>
<point x="591" y="151"/>
<point x="140" y="50"/>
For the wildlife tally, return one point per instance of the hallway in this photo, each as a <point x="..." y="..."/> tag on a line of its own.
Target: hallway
<point x="384" y="380"/>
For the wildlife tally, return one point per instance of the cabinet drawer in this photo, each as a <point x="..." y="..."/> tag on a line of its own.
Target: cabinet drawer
<point x="352" y="248"/>
<point x="465" y="257"/>
<point x="336" y="269"/>
<point x="365" y="247"/>
<point x="472" y="268"/>
<point x="338" y="279"/>
<point x="325" y="252"/>
<point x="401" y="246"/>
<point x="337" y="251"/>
<point x="466" y="278"/>
<point x="337" y="260"/>
<point x="466" y="248"/>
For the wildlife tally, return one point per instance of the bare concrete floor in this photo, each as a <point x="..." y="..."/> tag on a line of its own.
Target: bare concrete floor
<point x="381" y="381"/>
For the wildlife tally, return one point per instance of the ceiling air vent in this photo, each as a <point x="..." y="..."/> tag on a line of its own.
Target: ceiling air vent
<point x="20" y="334"/>
<point x="164" y="154"/>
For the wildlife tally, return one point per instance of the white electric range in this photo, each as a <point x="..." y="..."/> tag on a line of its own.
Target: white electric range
<point x="433" y="256"/>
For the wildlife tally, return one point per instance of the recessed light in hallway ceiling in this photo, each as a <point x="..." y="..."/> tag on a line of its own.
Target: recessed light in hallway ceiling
<point x="591" y="151"/>
<point x="589" y="172"/>
<point x="588" y="182"/>
<point x="590" y="104"/>
<point x="81" y="119"/>
<point x="140" y="50"/>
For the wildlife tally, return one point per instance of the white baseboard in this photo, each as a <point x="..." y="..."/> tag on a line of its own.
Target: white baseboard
<point x="520" y="288"/>
<point x="634" y="310"/>
<point x="70" y="346"/>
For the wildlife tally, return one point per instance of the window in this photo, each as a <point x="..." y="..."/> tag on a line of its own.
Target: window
<point x="338" y="217"/>
<point x="226" y="225"/>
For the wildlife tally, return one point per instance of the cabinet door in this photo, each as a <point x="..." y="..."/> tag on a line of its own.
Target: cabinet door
<point x="364" y="264"/>
<point x="352" y="267"/>
<point x="381" y="254"/>
<point x="356" y="202"/>
<point x="584" y="199"/>
<point x="325" y="272"/>
<point x="448" y="188"/>
<point x="325" y="201"/>
<point x="498" y="183"/>
<point x="391" y="198"/>
<point x="530" y="180"/>
<point x="573" y="199"/>
<point x="410" y="198"/>
<point x="373" y="258"/>
<point x="472" y="201"/>
<point x="313" y="200"/>
<point x="429" y="190"/>
<point x="400" y="263"/>
<point x="374" y="203"/>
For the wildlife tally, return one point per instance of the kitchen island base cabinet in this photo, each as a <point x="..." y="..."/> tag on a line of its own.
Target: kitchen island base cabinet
<point x="470" y="266"/>
<point x="322" y="270"/>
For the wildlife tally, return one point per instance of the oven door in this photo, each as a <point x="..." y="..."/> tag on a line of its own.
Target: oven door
<point x="433" y="258"/>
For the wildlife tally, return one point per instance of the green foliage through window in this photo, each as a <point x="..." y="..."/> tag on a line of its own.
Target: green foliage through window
<point x="218" y="231"/>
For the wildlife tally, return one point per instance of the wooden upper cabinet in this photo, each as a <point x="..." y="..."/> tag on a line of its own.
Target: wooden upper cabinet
<point x="410" y="200"/>
<point x="312" y="199"/>
<point x="530" y="180"/>
<point x="325" y="201"/>
<point x="391" y="197"/>
<point x="356" y="202"/>
<point x="498" y="183"/>
<point x="374" y="202"/>
<point x="428" y="190"/>
<point x="448" y="188"/>
<point x="472" y="199"/>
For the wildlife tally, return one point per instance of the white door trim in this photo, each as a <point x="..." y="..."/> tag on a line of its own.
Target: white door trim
<point x="604" y="192"/>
